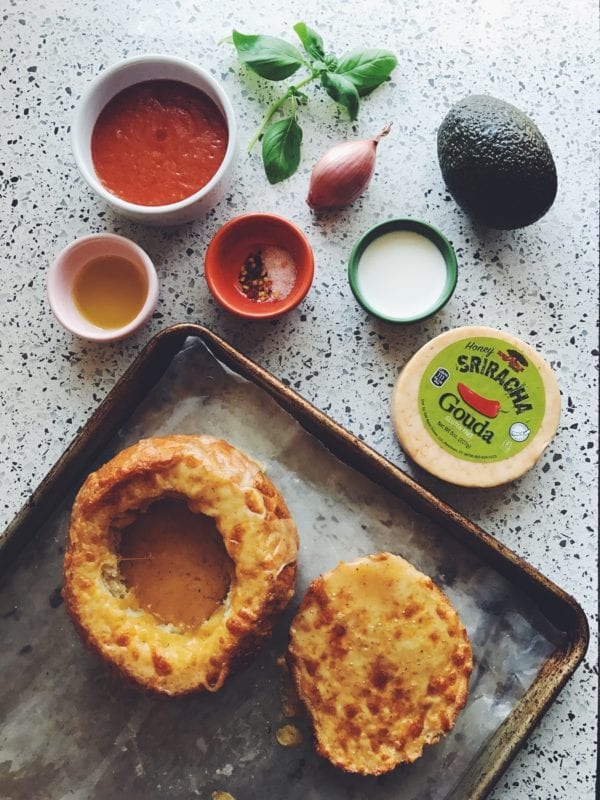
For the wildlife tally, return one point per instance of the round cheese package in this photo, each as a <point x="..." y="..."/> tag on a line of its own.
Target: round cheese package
<point x="476" y="407"/>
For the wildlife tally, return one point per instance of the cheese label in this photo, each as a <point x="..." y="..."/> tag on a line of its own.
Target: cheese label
<point x="482" y="399"/>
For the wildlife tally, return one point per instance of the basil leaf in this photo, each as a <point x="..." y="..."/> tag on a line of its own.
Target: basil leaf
<point x="312" y="42"/>
<point x="281" y="149"/>
<point x="271" y="58"/>
<point x="367" y="69"/>
<point x="342" y="90"/>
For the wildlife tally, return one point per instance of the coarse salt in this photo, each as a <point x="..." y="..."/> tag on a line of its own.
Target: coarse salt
<point x="281" y="270"/>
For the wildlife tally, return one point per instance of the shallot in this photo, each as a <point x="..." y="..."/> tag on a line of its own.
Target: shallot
<point x="343" y="173"/>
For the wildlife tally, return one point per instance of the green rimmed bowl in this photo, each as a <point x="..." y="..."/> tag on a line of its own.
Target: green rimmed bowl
<point x="431" y="301"/>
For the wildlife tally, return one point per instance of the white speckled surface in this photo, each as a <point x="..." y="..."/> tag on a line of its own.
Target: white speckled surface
<point x="540" y="282"/>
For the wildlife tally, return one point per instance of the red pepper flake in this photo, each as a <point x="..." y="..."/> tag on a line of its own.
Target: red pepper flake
<point x="267" y="274"/>
<point x="253" y="278"/>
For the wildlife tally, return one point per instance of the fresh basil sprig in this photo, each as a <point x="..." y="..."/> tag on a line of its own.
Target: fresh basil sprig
<point x="345" y="80"/>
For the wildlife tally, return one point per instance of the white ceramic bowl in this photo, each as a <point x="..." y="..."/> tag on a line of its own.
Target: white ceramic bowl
<point x="65" y="267"/>
<point x="121" y="76"/>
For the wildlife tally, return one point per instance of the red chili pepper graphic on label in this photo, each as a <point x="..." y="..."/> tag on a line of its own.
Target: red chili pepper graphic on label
<point x="489" y="408"/>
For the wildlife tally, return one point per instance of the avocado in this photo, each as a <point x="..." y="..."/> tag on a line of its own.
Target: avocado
<point x="496" y="163"/>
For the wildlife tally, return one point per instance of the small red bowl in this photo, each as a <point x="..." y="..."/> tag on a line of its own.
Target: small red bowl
<point x="231" y="246"/>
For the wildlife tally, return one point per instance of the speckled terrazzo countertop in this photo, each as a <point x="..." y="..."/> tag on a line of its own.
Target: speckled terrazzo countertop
<point x="539" y="282"/>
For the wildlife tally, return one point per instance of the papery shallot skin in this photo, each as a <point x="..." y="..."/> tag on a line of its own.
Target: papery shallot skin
<point x="343" y="173"/>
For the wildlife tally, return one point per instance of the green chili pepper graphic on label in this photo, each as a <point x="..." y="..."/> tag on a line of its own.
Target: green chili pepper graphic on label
<point x="489" y="408"/>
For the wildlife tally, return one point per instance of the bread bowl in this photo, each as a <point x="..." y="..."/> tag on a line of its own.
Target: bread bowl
<point x="215" y="480"/>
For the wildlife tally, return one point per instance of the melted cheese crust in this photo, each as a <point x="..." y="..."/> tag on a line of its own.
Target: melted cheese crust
<point x="382" y="662"/>
<point x="259" y="535"/>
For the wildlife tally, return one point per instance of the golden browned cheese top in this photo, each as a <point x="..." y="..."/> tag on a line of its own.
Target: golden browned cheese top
<point x="382" y="662"/>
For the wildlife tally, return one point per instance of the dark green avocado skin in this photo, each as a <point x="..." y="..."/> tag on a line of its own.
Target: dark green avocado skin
<point x="496" y="163"/>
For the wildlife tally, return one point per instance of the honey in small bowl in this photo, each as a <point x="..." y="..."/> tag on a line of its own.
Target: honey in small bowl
<point x="102" y="287"/>
<point x="110" y="291"/>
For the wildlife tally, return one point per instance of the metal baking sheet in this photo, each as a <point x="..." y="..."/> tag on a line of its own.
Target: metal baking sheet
<point x="71" y="729"/>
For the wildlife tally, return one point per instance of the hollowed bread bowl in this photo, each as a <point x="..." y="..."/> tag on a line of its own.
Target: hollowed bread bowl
<point x="259" y="536"/>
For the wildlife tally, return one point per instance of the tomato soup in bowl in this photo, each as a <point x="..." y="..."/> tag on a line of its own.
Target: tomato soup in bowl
<point x="155" y="137"/>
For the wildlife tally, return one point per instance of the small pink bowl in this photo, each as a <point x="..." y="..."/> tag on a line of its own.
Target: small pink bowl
<point x="67" y="264"/>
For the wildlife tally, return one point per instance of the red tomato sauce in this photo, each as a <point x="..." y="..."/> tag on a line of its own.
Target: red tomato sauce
<point x="158" y="142"/>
